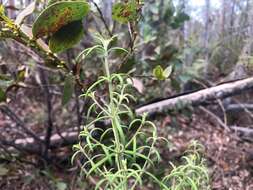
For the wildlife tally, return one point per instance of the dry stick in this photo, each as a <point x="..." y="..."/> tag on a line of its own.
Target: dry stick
<point x="218" y="101"/>
<point x="79" y="117"/>
<point x="245" y="109"/>
<point x="29" y="144"/>
<point x="102" y="18"/>
<point x="244" y="130"/>
<point x="219" y="121"/>
<point x="70" y="57"/>
<point x="16" y="146"/>
<point x="239" y="107"/>
<point x="199" y="97"/>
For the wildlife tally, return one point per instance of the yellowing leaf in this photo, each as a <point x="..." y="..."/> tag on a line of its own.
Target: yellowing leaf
<point x="158" y="72"/>
<point x="1" y="9"/>
<point x="162" y="74"/>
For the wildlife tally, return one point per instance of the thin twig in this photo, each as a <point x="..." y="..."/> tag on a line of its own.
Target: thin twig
<point x="215" y="117"/>
<point x="102" y="18"/>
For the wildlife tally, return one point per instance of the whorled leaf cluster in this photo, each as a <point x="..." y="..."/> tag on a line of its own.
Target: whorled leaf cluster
<point x="122" y="153"/>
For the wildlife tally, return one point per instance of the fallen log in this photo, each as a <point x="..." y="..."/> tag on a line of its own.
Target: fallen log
<point x="193" y="99"/>
<point x="199" y="97"/>
<point x="30" y="145"/>
<point x="243" y="130"/>
<point x="239" y="107"/>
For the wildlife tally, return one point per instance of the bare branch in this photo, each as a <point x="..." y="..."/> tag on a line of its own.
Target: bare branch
<point x="200" y="97"/>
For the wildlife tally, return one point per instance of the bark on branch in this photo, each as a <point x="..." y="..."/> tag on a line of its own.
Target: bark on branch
<point x="30" y="145"/>
<point x="197" y="98"/>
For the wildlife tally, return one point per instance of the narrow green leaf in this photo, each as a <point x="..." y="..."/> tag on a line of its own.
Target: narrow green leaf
<point x="68" y="89"/>
<point x="98" y="164"/>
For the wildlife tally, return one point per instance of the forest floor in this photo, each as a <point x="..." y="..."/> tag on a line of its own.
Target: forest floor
<point x="229" y="158"/>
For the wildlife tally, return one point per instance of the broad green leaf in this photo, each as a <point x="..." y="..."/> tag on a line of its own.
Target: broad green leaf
<point x="167" y="72"/>
<point x="161" y="74"/>
<point x="26" y="12"/>
<point x="182" y="17"/>
<point x="179" y="19"/>
<point x="158" y="72"/>
<point x="125" y="12"/>
<point x="68" y="90"/>
<point x="50" y="2"/>
<point x="57" y="15"/>
<point x="66" y="37"/>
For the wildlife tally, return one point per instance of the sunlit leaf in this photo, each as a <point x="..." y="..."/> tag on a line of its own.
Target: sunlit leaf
<point x="1" y="9"/>
<point x="158" y="72"/>
<point x="57" y="15"/>
<point x="167" y="72"/>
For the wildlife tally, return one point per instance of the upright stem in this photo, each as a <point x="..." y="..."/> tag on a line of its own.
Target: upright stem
<point x="115" y="123"/>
